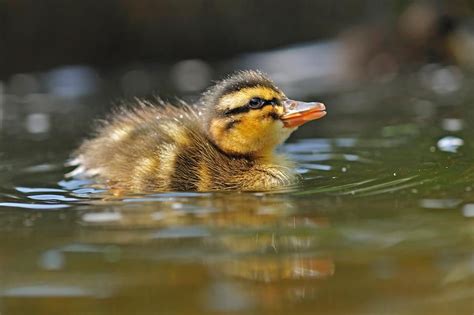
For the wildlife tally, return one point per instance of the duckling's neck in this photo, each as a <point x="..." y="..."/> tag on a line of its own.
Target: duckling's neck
<point x="271" y="157"/>
<point x="253" y="156"/>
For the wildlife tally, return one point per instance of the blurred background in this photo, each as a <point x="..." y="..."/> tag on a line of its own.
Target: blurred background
<point x="65" y="62"/>
<point x="112" y="34"/>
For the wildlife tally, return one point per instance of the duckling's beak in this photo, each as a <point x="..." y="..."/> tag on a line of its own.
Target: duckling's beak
<point x="297" y="113"/>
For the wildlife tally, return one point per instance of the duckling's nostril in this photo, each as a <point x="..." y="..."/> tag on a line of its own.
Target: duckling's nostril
<point x="290" y="105"/>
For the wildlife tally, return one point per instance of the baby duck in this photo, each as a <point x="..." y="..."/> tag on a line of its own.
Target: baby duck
<point x="224" y="142"/>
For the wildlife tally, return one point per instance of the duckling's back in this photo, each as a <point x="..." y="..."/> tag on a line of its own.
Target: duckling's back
<point x="159" y="148"/>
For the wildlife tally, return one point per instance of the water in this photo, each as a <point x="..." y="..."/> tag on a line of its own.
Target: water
<point x="382" y="223"/>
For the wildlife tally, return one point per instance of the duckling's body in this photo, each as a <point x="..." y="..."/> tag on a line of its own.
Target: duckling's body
<point x="221" y="143"/>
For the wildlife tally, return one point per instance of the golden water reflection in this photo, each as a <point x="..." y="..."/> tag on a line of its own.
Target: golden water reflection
<point x="231" y="254"/>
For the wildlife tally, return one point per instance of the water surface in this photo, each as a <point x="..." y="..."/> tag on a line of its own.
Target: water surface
<point x="382" y="223"/>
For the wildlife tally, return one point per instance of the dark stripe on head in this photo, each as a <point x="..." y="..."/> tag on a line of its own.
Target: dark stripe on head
<point x="245" y="108"/>
<point x="236" y="110"/>
<point x="237" y="82"/>
<point x="246" y="80"/>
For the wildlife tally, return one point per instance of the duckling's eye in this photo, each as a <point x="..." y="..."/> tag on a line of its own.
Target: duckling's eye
<point x="256" y="103"/>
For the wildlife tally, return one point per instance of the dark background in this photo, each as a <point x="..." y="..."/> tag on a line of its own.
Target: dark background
<point x="37" y="35"/>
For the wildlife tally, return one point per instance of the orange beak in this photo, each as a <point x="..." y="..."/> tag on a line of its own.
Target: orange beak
<point x="298" y="113"/>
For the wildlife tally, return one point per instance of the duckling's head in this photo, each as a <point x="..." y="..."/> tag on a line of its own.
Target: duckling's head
<point x="248" y="115"/>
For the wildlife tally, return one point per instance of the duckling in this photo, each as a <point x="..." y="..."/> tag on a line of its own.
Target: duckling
<point x="226" y="141"/>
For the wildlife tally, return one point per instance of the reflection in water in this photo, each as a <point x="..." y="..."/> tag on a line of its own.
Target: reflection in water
<point x="382" y="203"/>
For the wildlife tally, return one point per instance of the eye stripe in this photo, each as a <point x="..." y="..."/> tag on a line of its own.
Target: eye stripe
<point x="236" y="110"/>
<point x="245" y="108"/>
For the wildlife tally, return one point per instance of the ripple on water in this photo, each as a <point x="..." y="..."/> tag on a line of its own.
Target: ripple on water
<point x="338" y="172"/>
<point x="52" y="198"/>
<point x="27" y="190"/>
<point x="366" y="212"/>
<point x="182" y="232"/>
<point x="319" y="167"/>
<point x="44" y="198"/>
<point x="33" y="206"/>
<point x="51" y="290"/>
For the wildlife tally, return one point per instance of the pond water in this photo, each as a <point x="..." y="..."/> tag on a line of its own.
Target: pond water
<point x="382" y="223"/>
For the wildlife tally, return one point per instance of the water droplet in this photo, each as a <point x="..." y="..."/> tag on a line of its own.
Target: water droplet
<point x="450" y="144"/>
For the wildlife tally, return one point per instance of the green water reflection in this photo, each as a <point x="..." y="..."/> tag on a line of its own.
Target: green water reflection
<point x="382" y="224"/>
